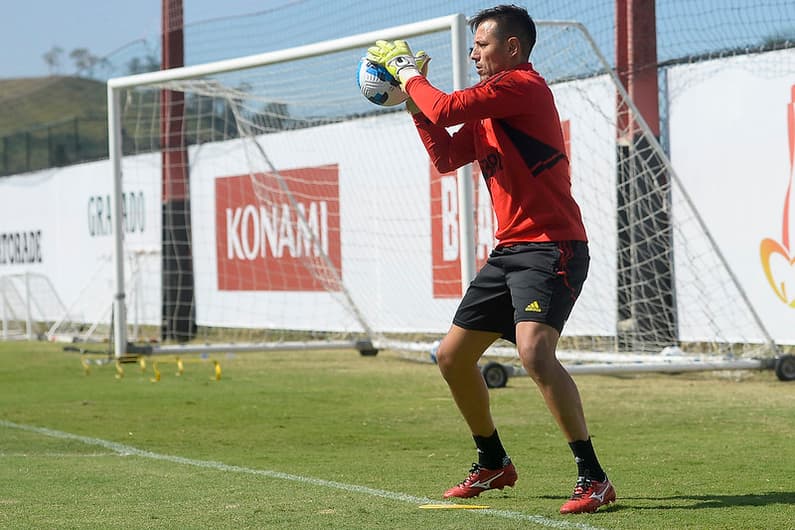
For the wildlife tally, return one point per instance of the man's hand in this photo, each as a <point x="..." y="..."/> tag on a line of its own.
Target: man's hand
<point x="396" y="57"/>
<point x="422" y="59"/>
<point x="390" y="54"/>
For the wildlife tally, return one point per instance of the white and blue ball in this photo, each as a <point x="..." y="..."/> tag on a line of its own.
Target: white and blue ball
<point x="378" y="85"/>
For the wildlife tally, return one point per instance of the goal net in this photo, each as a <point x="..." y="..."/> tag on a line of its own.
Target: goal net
<point x="28" y="305"/>
<point x="305" y="216"/>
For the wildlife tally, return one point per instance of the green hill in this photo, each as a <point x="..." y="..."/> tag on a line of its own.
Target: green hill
<point x="51" y="121"/>
<point x="57" y="121"/>
<point x="31" y="102"/>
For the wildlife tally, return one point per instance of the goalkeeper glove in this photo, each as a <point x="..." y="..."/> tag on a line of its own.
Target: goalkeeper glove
<point x="396" y="57"/>
<point x="422" y="59"/>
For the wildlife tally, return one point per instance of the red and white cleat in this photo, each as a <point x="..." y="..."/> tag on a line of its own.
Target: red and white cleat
<point x="481" y="479"/>
<point x="589" y="495"/>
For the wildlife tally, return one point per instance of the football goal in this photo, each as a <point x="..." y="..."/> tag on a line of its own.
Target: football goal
<point x="303" y="216"/>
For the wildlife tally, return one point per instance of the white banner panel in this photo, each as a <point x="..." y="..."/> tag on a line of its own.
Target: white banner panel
<point x="69" y="210"/>
<point x="28" y="243"/>
<point x="381" y="191"/>
<point x="731" y="147"/>
<point x="587" y="109"/>
<point x="387" y="193"/>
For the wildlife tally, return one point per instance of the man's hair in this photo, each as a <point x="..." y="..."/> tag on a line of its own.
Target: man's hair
<point x="510" y="21"/>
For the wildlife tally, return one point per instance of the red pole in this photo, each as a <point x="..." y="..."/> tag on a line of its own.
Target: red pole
<point x="172" y="106"/>
<point x="178" y="299"/>
<point x="622" y="70"/>
<point x="646" y="314"/>
<point x="636" y="58"/>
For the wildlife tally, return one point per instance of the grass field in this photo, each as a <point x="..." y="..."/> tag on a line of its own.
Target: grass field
<point x="335" y="440"/>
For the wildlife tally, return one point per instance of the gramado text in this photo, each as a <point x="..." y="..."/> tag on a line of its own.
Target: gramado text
<point x="100" y="214"/>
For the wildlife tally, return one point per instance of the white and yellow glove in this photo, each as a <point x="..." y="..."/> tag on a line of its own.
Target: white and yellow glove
<point x="422" y="59"/>
<point x="397" y="59"/>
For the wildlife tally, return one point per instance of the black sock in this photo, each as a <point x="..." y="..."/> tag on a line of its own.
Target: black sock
<point x="587" y="463"/>
<point x="491" y="453"/>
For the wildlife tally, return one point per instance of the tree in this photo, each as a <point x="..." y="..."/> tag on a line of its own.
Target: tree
<point x="86" y="62"/>
<point x="138" y="65"/>
<point x="53" y="59"/>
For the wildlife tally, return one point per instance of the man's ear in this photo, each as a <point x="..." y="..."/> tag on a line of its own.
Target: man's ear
<point x="514" y="46"/>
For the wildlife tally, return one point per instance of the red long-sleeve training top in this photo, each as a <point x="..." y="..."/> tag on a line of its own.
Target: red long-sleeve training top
<point x="512" y="128"/>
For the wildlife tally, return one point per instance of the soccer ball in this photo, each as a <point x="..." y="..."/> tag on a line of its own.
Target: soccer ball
<point x="378" y="85"/>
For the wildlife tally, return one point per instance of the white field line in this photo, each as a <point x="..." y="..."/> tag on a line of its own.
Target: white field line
<point x="55" y="455"/>
<point x="127" y="450"/>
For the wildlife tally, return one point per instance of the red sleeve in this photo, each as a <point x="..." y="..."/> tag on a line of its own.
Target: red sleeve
<point x="498" y="97"/>
<point x="447" y="152"/>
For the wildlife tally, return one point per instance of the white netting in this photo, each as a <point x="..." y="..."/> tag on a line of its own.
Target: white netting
<point x="316" y="213"/>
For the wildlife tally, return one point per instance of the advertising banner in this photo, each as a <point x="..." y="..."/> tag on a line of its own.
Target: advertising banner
<point x="732" y="139"/>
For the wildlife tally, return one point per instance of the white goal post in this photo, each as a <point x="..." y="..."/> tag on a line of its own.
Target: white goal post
<point x="317" y="215"/>
<point x="456" y="24"/>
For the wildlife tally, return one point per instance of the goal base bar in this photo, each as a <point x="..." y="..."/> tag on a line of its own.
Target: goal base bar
<point x="364" y="347"/>
<point x="784" y="367"/>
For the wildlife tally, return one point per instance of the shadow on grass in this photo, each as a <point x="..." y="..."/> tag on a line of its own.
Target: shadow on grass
<point x="700" y="502"/>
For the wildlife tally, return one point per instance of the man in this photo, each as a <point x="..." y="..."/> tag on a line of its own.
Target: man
<point x="527" y="288"/>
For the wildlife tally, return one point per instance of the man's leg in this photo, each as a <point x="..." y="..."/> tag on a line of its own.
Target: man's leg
<point x="457" y="358"/>
<point x="537" y="343"/>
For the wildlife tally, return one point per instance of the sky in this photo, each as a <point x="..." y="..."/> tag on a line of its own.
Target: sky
<point x="30" y="28"/>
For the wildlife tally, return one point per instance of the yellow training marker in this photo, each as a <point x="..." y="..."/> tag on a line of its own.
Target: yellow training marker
<point x="452" y="507"/>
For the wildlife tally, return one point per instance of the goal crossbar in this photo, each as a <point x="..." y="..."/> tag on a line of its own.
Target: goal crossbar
<point x="294" y="53"/>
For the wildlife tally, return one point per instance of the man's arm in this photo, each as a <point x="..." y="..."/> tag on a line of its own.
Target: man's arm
<point x="503" y="94"/>
<point x="499" y="97"/>
<point x="447" y="152"/>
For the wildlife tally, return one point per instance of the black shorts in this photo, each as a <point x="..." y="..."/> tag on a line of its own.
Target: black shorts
<point x="535" y="282"/>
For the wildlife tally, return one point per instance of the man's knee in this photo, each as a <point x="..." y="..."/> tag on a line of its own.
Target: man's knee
<point x="445" y="359"/>
<point x="537" y="352"/>
<point x="537" y="361"/>
<point x="460" y="350"/>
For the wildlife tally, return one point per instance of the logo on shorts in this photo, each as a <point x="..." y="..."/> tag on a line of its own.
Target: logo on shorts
<point x="533" y="307"/>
